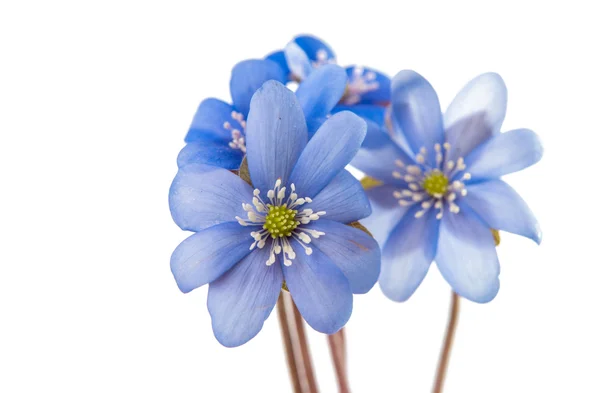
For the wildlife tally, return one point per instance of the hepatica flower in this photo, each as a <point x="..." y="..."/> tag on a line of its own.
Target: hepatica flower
<point x="289" y="226"/>
<point x="439" y="200"/>
<point x="367" y="92"/>
<point x="217" y="135"/>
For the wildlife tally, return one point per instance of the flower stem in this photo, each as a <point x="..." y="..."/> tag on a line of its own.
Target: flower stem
<point x="337" y="347"/>
<point x="304" y="351"/>
<point x="288" y="344"/>
<point x="448" y="340"/>
<point x="296" y="346"/>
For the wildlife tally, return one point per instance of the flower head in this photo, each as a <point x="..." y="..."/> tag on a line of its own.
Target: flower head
<point x="217" y="135"/>
<point x="441" y="191"/>
<point x="290" y="225"/>
<point x="367" y="92"/>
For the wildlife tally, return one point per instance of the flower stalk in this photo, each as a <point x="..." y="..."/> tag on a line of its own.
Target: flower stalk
<point x="296" y="346"/>
<point x="337" y="347"/>
<point x="442" y="369"/>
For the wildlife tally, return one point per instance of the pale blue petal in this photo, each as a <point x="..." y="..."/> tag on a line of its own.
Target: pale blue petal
<point x="320" y="290"/>
<point x="343" y="200"/>
<point x="386" y="214"/>
<point x="297" y="61"/>
<point x="505" y="153"/>
<point x="416" y="109"/>
<point x="367" y="86"/>
<point x="466" y="256"/>
<point x="210" y="119"/>
<point x="353" y="251"/>
<point x="501" y="208"/>
<point x="202" y="196"/>
<point x="485" y="94"/>
<point x="378" y="155"/>
<point x="466" y="134"/>
<point x="279" y="58"/>
<point x="407" y="254"/>
<point x="248" y="76"/>
<point x="475" y="115"/>
<point x="242" y="299"/>
<point x="396" y="133"/>
<point x="275" y="135"/>
<point x="210" y="152"/>
<point x="321" y="90"/>
<point x="206" y="255"/>
<point x="327" y="153"/>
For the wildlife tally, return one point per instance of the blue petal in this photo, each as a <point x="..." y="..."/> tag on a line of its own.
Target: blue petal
<point x="313" y="124"/>
<point x="367" y="86"/>
<point x="386" y="214"/>
<point x="475" y="115"/>
<point x="275" y="135"/>
<point x="320" y="290"/>
<point x="209" y="121"/>
<point x="314" y="47"/>
<point x="297" y="61"/>
<point x="378" y="155"/>
<point x="206" y="255"/>
<point x="485" y="94"/>
<point x="505" y="153"/>
<point x="396" y="133"/>
<point x="328" y="152"/>
<point x="368" y="112"/>
<point x="248" y="76"/>
<point x="408" y="253"/>
<point x="416" y="109"/>
<point x="321" y="90"/>
<point x="354" y="252"/>
<point x="202" y="196"/>
<point x="210" y="152"/>
<point x="466" y="134"/>
<point x="343" y="199"/>
<point x="496" y="203"/>
<point x="242" y="299"/>
<point x="279" y="58"/>
<point x="466" y="256"/>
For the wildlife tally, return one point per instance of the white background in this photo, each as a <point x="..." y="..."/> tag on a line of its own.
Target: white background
<point x="95" y="99"/>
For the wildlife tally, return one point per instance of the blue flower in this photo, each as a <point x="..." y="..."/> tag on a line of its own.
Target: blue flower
<point x="291" y="226"/>
<point x="440" y="198"/>
<point x="368" y="90"/>
<point x="217" y="135"/>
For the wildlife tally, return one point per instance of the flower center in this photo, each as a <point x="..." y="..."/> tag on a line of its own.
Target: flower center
<point x="281" y="221"/>
<point x="436" y="183"/>
<point x="237" y="136"/>
<point x="359" y="83"/>
<point x="432" y="187"/>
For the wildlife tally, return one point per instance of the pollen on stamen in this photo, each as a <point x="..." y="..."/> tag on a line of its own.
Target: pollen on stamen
<point x="280" y="222"/>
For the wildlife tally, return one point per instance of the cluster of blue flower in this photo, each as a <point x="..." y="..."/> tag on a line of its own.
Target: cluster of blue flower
<point x="434" y="190"/>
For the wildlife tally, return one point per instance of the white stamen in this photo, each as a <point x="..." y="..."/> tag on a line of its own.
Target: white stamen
<point x="257" y="214"/>
<point x="413" y="170"/>
<point x="420" y="213"/>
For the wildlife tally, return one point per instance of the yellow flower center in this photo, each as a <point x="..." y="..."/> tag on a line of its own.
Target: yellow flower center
<point x="280" y="221"/>
<point x="435" y="184"/>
